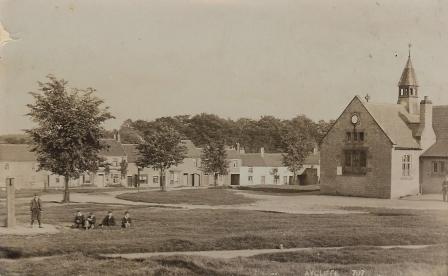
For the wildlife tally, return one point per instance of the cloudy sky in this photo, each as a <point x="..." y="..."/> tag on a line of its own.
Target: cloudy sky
<point x="234" y="58"/>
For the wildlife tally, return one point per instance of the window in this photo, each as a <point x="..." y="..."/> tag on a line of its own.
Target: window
<point x="235" y="163"/>
<point x="155" y="179"/>
<point x="115" y="178"/>
<point x="56" y="179"/>
<point x="355" y="136"/>
<point x="86" y="178"/>
<point x="6" y="166"/>
<point x="251" y="170"/>
<point x="285" y="180"/>
<point x="355" y="162"/>
<point x="406" y="165"/>
<point x="250" y="178"/>
<point x="143" y="179"/>
<point x="115" y="162"/>
<point x="263" y="180"/>
<point x="438" y="167"/>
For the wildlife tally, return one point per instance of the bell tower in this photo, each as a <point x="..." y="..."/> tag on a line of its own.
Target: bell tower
<point x="408" y="88"/>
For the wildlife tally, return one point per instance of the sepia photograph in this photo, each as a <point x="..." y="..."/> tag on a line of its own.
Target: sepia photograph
<point x="223" y="137"/>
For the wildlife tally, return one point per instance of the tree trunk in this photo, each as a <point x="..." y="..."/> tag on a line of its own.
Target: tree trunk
<point x="215" y="179"/>
<point x="66" y="198"/>
<point x="162" y="181"/>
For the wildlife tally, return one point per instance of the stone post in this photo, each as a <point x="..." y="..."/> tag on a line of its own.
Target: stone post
<point x="10" y="203"/>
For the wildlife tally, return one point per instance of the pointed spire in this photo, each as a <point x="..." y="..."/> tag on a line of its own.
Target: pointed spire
<point x="408" y="77"/>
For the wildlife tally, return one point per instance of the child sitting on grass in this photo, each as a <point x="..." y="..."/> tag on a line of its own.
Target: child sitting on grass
<point x="126" y="220"/>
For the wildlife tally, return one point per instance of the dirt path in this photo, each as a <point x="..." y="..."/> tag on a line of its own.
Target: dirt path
<point x="293" y="204"/>
<point x="228" y="254"/>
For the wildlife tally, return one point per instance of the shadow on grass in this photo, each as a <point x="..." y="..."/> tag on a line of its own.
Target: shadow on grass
<point x="10" y="253"/>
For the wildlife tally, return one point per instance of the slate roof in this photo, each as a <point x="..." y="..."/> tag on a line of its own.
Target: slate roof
<point x="16" y="152"/>
<point x="440" y="126"/>
<point x="114" y="148"/>
<point x="272" y="159"/>
<point x="408" y="76"/>
<point x="389" y="118"/>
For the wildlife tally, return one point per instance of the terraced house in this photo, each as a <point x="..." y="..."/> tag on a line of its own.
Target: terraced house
<point x="387" y="150"/>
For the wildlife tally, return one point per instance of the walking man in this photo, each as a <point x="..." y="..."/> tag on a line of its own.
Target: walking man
<point x="36" y="209"/>
<point x="445" y="188"/>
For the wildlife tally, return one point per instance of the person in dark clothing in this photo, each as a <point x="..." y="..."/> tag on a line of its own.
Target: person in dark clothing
<point x="79" y="220"/>
<point x="108" y="220"/>
<point x="36" y="210"/>
<point x="126" y="220"/>
<point x="90" y="221"/>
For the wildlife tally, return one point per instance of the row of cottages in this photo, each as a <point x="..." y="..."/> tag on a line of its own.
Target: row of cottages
<point x="387" y="150"/>
<point x="18" y="162"/>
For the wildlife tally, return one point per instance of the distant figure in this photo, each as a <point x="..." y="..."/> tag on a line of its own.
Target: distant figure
<point x="79" y="220"/>
<point x="90" y="221"/>
<point x="445" y="188"/>
<point x="109" y="220"/>
<point x="36" y="209"/>
<point x="126" y="220"/>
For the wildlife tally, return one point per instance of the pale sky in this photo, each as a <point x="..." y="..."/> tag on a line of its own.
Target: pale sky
<point x="233" y="58"/>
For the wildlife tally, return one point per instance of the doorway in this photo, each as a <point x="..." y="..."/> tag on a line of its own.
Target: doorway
<point x="234" y="179"/>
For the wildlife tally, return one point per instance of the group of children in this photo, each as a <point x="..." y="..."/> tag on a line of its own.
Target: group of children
<point x="89" y="222"/>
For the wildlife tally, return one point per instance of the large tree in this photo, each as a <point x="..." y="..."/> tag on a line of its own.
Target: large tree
<point x="297" y="145"/>
<point x="214" y="159"/>
<point x="69" y="128"/>
<point x="162" y="148"/>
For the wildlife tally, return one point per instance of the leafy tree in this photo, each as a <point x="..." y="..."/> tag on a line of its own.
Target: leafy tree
<point x="214" y="160"/>
<point x="161" y="149"/>
<point x="123" y="168"/>
<point x="69" y="128"/>
<point x="298" y="146"/>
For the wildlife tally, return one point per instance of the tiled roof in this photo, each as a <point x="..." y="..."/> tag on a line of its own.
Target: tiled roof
<point x="389" y="118"/>
<point x="440" y="125"/>
<point x="408" y="76"/>
<point x="439" y="149"/>
<point x="114" y="148"/>
<point x="440" y="121"/>
<point x="132" y="152"/>
<point x="16" y="152"/>
<point x="273" y="159"/>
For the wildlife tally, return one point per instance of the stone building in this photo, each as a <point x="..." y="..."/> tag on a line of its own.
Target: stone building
<point x="387" y="150"/>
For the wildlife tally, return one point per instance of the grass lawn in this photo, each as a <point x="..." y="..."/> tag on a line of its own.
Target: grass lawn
<point x="190" y="196"/>
<point x="90" y="190"/>
<point x="163" y="229"/>
<point x="397" y="262"/>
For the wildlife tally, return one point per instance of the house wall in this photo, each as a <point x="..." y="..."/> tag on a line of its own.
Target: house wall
<point x="377" y="180"/>
<point x="404" y="185"/>
<point x="25" y="174"/>
<point x="258" y="172"/>
<point x="431" y="182"/>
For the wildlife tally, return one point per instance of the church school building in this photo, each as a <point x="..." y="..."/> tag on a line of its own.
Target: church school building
<point x="387" y="150"/>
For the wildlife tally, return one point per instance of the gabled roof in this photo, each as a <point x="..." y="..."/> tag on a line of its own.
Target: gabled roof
<point x="408" y="76"/>
<point x="114" y="148"/>
<point x="440" y="126"/>
<point x="389" y="119"/>
<point x="16" y="153"/>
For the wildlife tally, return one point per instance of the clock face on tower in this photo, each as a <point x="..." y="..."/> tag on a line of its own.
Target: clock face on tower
<point x="355" y="119"/>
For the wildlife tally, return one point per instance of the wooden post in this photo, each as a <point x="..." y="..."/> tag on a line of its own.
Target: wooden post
<point x="10" y="203"/>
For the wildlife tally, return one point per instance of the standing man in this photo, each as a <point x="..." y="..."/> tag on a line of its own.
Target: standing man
<point x="36" y="209"/>
<point x="445" y="188"/>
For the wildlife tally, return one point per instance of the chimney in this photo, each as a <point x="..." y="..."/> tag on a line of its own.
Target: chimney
<point x="262" y="151"/>
<point x="426" y="132"/>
